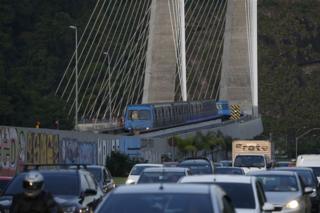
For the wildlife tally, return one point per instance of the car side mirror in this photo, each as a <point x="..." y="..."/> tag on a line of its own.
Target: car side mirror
<point x="308" y="190"/>
<point x="268" y="207"/>
<point x="90" y="192"/>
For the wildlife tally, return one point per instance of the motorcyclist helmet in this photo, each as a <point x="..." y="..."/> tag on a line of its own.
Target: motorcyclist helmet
<point x="33" y="184"/>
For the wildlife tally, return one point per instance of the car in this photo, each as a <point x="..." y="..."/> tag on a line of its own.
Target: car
<point x="309" y="179"/>
<point x="284" y="164"/>
<point x="162" y="175"/>
<point x="160" y="198"/>
<point x="74" y="190"/>
<point x="217" y="164"/>
<point x="4" y="181"/>
<point x="285" y="190"/>
<point x="229" y="171"/>
<point x="246" y="192"/>
<point x="102" y="176"/>
<point x="310" y="161"/>
<point x="137" y="170"/>
<point x="226" y="163"/>
<point x="197" y="165"/>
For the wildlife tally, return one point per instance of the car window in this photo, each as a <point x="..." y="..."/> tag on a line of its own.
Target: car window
<point x="160" y="177"/>
<point x="316" y="171"/>
<point x="241" y="194"/>
<point x="158" y="203"/>
<point x="84" y="183"/>
<point x="260" y="193"/>
<point x="96" y="172"/>
<point x="197" y="168"/>
<point x="137" y="170"/>
<point x="91" y="182"/>
<point x="227" y="205"/>
<point x="56" y="183"/>
<point x="249" y="161"/>
<point x="228" y="170"/>
<point x="279" y="183"/>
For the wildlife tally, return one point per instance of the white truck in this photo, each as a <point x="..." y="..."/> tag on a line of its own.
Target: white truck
<point x="252" y="155"/>
<point x="311" y="161"/>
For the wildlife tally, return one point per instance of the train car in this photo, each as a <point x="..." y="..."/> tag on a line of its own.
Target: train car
<point x="146" y="117"/>
<point x="223" y="109"/>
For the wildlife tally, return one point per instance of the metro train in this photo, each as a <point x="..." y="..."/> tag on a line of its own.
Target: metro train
<point x="148" y="117"/>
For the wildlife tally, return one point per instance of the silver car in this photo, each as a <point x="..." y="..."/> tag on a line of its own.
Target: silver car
<point x="165" y="198"/>
<point x="285" y="191"/>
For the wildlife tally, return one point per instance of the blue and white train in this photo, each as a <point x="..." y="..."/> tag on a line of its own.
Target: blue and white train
<point x="147" y="117"/>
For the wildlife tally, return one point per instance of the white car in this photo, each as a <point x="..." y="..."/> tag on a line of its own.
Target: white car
<point x="137" y="170"/>
<point x="246" y="192"/>
<point x="310" y="161"/>
<point x="285" y="191"/>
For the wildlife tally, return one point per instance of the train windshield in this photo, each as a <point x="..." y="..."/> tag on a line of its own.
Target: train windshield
<point x="139" y="115"/>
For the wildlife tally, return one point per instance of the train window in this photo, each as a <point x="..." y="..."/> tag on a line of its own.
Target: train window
<point x="139" y="115"/>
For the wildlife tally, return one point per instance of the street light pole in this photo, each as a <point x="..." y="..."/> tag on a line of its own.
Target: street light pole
<point x="300" y="136"/>
<point x="76" y="70"/>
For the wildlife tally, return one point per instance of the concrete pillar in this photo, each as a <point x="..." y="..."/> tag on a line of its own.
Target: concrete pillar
<point x="235" y="84"/>
<point x="159" y="82"/>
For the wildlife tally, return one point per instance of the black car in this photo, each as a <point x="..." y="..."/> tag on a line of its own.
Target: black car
<point x="309" y="179"/>
<point x="74" y="190"/>
<point x="197" y="166"/>
<point x="102" y="176"/>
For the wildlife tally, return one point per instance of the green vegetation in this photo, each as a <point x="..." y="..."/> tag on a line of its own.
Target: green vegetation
<point x="36" y="45"/>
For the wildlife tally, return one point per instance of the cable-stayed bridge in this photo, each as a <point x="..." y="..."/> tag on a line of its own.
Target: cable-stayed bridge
<point x="133" y="52"/>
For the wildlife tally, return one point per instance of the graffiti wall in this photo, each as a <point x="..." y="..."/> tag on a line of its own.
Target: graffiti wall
<point x="43" y="146"/>
<point x="12" y="150"/>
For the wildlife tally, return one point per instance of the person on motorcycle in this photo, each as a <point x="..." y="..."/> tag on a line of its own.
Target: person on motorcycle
<point x="34" y="199"/>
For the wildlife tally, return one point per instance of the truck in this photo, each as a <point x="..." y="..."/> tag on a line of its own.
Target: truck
<point x="252" y="154"/>
<point x="311" y="161"/>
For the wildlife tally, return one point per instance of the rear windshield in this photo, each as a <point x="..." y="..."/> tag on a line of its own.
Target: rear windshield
<point x="160" y="177"/>
<point x="249" y="161"/>
<point x="158" y="203"/>
<point x="228" y="170"/>
<point x="241" y="194"/>
<point x="96" y="172"/>
<point x="198" y="169"/>
<point x="57" y="184"/>
<point x="279" y="183"/>
<point x="137" y="170"/>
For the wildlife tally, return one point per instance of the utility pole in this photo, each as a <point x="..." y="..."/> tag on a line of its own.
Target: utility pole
<point x="76" y="70"/>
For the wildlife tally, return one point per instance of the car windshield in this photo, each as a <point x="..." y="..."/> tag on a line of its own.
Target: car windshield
<point x="307" y="178"/>
<point x="158" y="203"/>
<point x="137" y="170"/>
<point x="160" y="177"/>
<point x="57" y="184"/>
<point x="229" y="170"/>
<point x="249" y="161"/>
<point x="198" y="169"/>
<point x="139" y="115"/>
<point x="279" y="183"/>
<point x="241" y="194"/>
<point x="96" y="173"/>
<point x="316" y="171"/>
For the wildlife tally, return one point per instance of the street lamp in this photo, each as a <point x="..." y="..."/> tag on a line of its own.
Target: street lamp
<point x="300" y="136"/>
<point x="76" y="66"/>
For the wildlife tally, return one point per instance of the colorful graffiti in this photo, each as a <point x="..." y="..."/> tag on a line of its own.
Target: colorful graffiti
<point x="11" y="150"/>
<point x="74" y="151"/>
<point x="42" y="148"/>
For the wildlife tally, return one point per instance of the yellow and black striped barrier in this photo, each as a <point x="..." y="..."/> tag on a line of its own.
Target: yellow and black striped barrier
<point x="235" y="112"/>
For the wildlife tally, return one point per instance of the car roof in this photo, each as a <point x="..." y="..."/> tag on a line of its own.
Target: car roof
<point x="147" y="164"/>
<point x="272" y="172"/>
<point x="217" y="178"/>
<point x="58" y="171"/>
<point x="163" y="188"/>
<point x="229" y="168"/>
<point x="293" y="168"/>
<point x="165" y="169"/>
<point x="194" y="161"/>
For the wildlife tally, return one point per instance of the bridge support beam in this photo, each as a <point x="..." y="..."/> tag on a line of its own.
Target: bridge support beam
<point x="159" y="82"/>
<point x="236" y="80"/>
